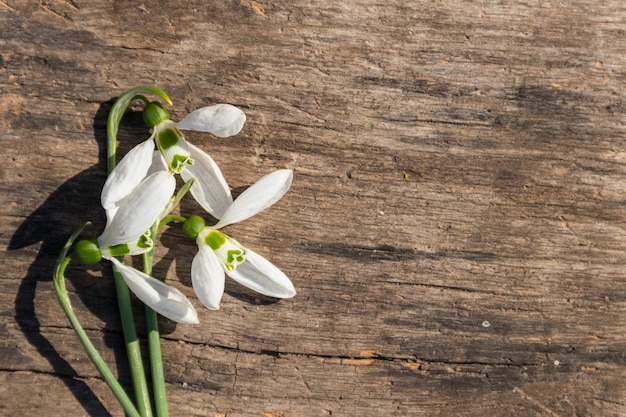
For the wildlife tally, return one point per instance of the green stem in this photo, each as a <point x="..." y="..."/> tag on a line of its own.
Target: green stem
<point x="154" y="344"/>
<point x="156" y="363"/>
<point x="168" y="220"/>
<point x="64" y="300"/>
<point x="133" y="350"/>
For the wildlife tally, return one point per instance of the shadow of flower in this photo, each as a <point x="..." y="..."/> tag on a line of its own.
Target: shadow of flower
<point x="64" y="211"/>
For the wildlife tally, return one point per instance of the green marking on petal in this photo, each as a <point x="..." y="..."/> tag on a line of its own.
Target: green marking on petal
<point x="145" y="241"/>
<point x="178" y="162"/>
<point x="167" y="137"/>
<point x="215" y="239"/>
<point x="234" y="257"/>
<point x="172" y="145"/>
<point x="229" y="251"/>
<point x="119" y="250"/>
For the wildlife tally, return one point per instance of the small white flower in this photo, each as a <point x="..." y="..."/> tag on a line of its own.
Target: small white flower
<point x="178" y="156"/>
<point x="219" y="255"/>
<point x="125" y="234"/>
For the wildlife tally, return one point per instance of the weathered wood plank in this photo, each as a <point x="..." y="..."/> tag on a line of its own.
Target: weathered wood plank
<point x="455" y="230"/>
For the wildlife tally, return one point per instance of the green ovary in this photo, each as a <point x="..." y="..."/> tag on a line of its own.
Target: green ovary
<point x="215" y="239"/>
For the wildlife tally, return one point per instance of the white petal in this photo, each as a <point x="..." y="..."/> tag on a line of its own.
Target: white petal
<point x="110" y="214"/>
<point x="139" y="210"/>
<point x="162" y="298"/>
<point x="210" y="188"/>
<point x="258" y="197"/>
<point x="131" y="170"/>
<point x="158" y="163"/>
<point x="222" y="120"/>
<point x="207" y="277"/>
<point x="260" y="275"/>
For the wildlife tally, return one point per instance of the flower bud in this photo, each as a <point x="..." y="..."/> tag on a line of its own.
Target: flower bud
<point x="87" y="252"/>
<point x="193" y="226"/>
<point x="155" y="113"/>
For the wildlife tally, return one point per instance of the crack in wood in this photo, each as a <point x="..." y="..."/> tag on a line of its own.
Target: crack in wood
<point x="367" y="359"/>
<point x="390" y="253"/>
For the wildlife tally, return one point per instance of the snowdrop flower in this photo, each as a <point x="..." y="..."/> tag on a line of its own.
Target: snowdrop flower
<point x="219" y="254"/>
<point x="125" y="234"/>
<point x="177" y="156"/>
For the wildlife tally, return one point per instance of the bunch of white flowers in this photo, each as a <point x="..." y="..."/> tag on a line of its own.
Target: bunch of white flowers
<point x="137" y="197"/>
<point x="140" y="192"/>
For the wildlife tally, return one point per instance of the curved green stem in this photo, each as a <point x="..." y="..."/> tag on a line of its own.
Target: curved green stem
<point x="169" y="219"/>
<point x="64" y="300"/>
<point x="117" y="112"/>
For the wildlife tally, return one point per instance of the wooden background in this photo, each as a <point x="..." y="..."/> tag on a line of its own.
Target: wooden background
<point x="455" y="231"/>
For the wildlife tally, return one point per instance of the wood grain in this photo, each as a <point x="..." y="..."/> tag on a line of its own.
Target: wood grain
<point x="455" y="229"/>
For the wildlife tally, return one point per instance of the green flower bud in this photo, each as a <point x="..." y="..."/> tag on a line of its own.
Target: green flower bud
<point x="193" y="226"/>
<point x="155" y="113"/>
<point x="87" y="252"/>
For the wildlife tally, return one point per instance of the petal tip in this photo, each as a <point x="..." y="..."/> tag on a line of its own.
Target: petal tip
<point x="190" y="319"/>
<point x="211" y="305"/>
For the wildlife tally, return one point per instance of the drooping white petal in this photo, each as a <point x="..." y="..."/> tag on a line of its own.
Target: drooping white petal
<point x="210" y="188"/>
<point x="131" y="170"/>
<point x="158" y="163"/>
<point x="207" y="277"/>
<point x="139" y="210"/>
<point x="222" y="120"/>
<point x="258" y="197"/>
<point x="162" y="298"/>
<point x="260" y="275"/>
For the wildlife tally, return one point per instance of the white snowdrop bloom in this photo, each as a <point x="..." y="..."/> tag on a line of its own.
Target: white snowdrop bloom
<point x="219" y="255"/>
<point x="178" y="156"/>
<point x="126" y="234"/>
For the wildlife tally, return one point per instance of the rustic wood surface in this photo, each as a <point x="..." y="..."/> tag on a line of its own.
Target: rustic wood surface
<point x="455" y="230"/>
